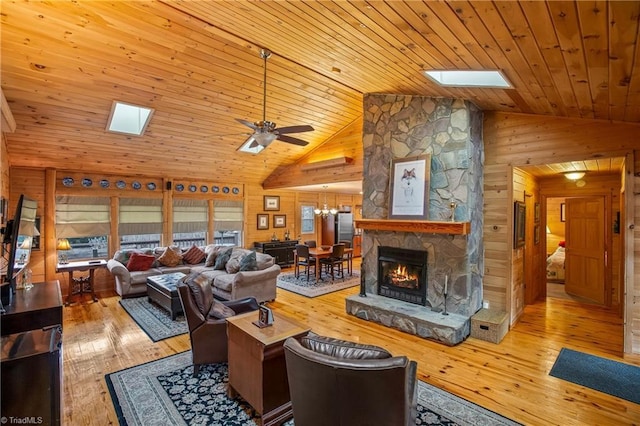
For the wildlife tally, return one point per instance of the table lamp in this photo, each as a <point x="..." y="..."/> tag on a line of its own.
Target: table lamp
<point x="62" y="247"/>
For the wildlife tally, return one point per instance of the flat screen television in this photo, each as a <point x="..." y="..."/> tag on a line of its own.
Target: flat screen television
<point x="17" y="242"/>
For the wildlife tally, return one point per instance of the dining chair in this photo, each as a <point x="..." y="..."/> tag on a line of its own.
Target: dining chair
<point x="304" y="259"/>
<point x="310" y="243"/>
<point x="348" y="256"/>
<point x="336" y="259"/>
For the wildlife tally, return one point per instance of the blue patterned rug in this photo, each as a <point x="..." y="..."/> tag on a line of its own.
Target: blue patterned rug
<point x="313" y="288"/>
<point x="164" y="392"/>
<point x="154" y="320"/>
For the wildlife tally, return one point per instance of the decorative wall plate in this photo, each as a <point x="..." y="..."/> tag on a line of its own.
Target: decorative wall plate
<point x="235" y="190"/>
<point x="67" y="181"/>
<point x="104" y="183"/>
<point x="204" y="188"/>
<point x="121" y="184"/>
<point x="215" y="189"/>
<point x="86" y="182"/>
<point x="151" y="186"/>
<point x="192" y="188"/>
<point x="179" y="187"/>
<point x="225" y="189"/>
<point x="136" y="185"/>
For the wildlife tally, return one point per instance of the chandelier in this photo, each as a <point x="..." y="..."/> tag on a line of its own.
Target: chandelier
<point x="325" y="210"/>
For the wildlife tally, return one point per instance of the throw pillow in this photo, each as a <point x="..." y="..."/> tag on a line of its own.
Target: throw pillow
<point x="233" y="265"/>
<point x="222" y="259"/>
<point x="170" y="257"/>
<point x="249" y="262"/>
<point x="193" y="255"/>
<point x="123" y="256"/>
<point x="212" y="254"/>
<point x="140" y="262"/>
<point x="200" y="291"/>
<point x="220" y="311"/>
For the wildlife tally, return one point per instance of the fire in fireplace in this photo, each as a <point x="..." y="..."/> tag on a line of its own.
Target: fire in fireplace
<point x="402" y="274"/>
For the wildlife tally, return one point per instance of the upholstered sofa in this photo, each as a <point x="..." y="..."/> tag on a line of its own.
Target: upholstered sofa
<point x="228" y="278"/>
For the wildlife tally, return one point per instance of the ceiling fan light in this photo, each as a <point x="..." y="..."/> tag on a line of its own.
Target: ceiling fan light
<point x="574" y="175"/>
<point x="265" y="139"/>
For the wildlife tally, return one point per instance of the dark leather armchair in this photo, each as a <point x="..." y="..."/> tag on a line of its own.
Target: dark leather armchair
<point x="335" y="382"/>
<point x="206" y="320"/>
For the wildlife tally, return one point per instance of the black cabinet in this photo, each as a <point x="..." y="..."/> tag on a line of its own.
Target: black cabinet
<point x="281" y="251"/>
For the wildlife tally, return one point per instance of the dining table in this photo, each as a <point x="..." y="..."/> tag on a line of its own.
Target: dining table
<point x="322" y="253"/>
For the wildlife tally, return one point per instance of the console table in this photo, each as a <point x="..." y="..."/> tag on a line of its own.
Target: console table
<point x="32" y="309"/>
<point x="281" y="251"/>
<point x="86" y="265"/>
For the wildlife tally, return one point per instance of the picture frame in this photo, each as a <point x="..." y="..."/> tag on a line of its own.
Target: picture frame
<point x="265" y="317"/>
<point x="279" y="221"/>
<point x="409" y="187"/>
<point x="307" y="220"/>
<point x="271" y="203"/>
<point x="519" y="224"/>
<point x="536" y="234"/>
<point x="263" y="221"/>
<point x="562" y="212"/>
<point x="536" y="212"/>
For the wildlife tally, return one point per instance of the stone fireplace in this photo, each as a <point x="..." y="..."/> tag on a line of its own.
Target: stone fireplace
<point x="402" y="274"/>
<point x="398" y="126"/>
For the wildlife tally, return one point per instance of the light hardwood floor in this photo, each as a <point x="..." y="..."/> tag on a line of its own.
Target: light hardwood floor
<point x="510" y="378"/>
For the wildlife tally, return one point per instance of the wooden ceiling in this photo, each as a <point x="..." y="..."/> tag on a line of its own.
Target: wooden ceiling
<point x="197" y="64"/>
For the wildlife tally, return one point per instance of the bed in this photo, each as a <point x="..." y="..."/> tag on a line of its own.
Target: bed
<point x="555" y="264"/>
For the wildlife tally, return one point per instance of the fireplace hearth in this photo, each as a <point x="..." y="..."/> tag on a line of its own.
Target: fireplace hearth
<point x="402" y="274"/>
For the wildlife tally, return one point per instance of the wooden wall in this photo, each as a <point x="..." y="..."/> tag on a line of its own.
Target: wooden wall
<point x="513" y="140"/>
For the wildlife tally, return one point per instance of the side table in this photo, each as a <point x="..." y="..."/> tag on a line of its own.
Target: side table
<point x="85" y="283"/>
<point x="257" y="366"/>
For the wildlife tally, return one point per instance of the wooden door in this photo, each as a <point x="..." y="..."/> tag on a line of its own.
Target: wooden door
<point x="585" y="248"/>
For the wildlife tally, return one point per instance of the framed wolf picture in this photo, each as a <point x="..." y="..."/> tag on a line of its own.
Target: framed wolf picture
<point x="409" y="188"/>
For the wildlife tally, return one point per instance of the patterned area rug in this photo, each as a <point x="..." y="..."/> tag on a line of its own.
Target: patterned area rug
<point x="154" y="320"/>
<point x="313" y="288"/>
<point x="163" y="392"/>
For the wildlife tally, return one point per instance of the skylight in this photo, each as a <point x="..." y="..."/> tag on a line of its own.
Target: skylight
<point x="128" y="119"/>
<point x="251" y="150"/>
<point x="468" y="78"/>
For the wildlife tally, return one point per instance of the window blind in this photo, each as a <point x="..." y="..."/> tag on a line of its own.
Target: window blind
<point x="227" y="215"/>
<point x="140" y="216"/>
<point x="82" y="216"/>
<point x="190" y="216"/>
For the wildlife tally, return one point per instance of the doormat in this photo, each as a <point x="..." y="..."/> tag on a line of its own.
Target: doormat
<point x="604" y="375"/>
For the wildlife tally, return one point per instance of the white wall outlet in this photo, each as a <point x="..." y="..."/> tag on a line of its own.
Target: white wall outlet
<point x="485" y="304"/>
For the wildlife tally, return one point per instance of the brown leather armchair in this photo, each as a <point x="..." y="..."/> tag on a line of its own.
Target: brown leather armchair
<point x="335" y="382"/>
<point x="206" y="319"/>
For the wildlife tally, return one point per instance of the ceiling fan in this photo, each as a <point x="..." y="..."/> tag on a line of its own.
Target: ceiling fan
<point x="265" y="131"/>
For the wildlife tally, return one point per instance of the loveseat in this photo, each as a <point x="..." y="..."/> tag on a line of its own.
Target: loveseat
<point x="233" y="272"/>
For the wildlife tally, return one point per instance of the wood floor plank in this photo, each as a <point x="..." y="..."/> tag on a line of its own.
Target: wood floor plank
<point x="510" y="378"/>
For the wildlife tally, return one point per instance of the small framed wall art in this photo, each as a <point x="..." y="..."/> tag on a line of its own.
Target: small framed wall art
<point x="271" y="203"/>
<point x="519" y="224"/>
<point x="409" y="188"/>
<point x="263" y="221"/>
<point x="279" y="221"/>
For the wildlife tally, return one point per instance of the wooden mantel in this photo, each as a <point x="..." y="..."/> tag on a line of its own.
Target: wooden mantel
<point x="424" y="226"/>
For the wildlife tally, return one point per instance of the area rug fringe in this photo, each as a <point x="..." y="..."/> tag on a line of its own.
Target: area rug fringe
<point x="163" y="392"/>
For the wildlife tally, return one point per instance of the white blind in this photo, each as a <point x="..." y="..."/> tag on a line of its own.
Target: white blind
<point x="227" y="215"/>
<point x="190" y="216"/>
<point x="140" y="216"/>
<point x="82" y="216"/>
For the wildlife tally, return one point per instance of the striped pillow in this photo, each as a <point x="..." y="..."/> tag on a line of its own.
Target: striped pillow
<point x="193" y="255"/>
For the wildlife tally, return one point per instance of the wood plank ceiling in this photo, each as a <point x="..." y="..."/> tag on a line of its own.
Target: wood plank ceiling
<point x="197" y="64"/>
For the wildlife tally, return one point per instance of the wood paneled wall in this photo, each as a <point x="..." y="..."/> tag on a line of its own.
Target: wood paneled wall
<point x="513" y="140"/>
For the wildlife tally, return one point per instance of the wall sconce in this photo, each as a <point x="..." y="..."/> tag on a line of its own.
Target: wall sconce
<point x="63" y="246"/>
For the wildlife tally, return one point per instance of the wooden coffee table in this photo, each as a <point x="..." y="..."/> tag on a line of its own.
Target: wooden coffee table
<point x="257" y="367"/>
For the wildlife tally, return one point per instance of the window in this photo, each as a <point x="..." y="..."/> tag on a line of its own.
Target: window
<point x="140" y="222"/>
<point x="190" y="220"/>
<point x="308" y="220"/>
<point x="85" y="222"/>
<point x="228" y="219"/>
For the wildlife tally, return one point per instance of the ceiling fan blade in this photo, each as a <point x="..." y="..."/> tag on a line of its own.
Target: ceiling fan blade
<point x="290" y="139"/>
<point x="295" y="129"/>
<point x="247" y="123"/>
